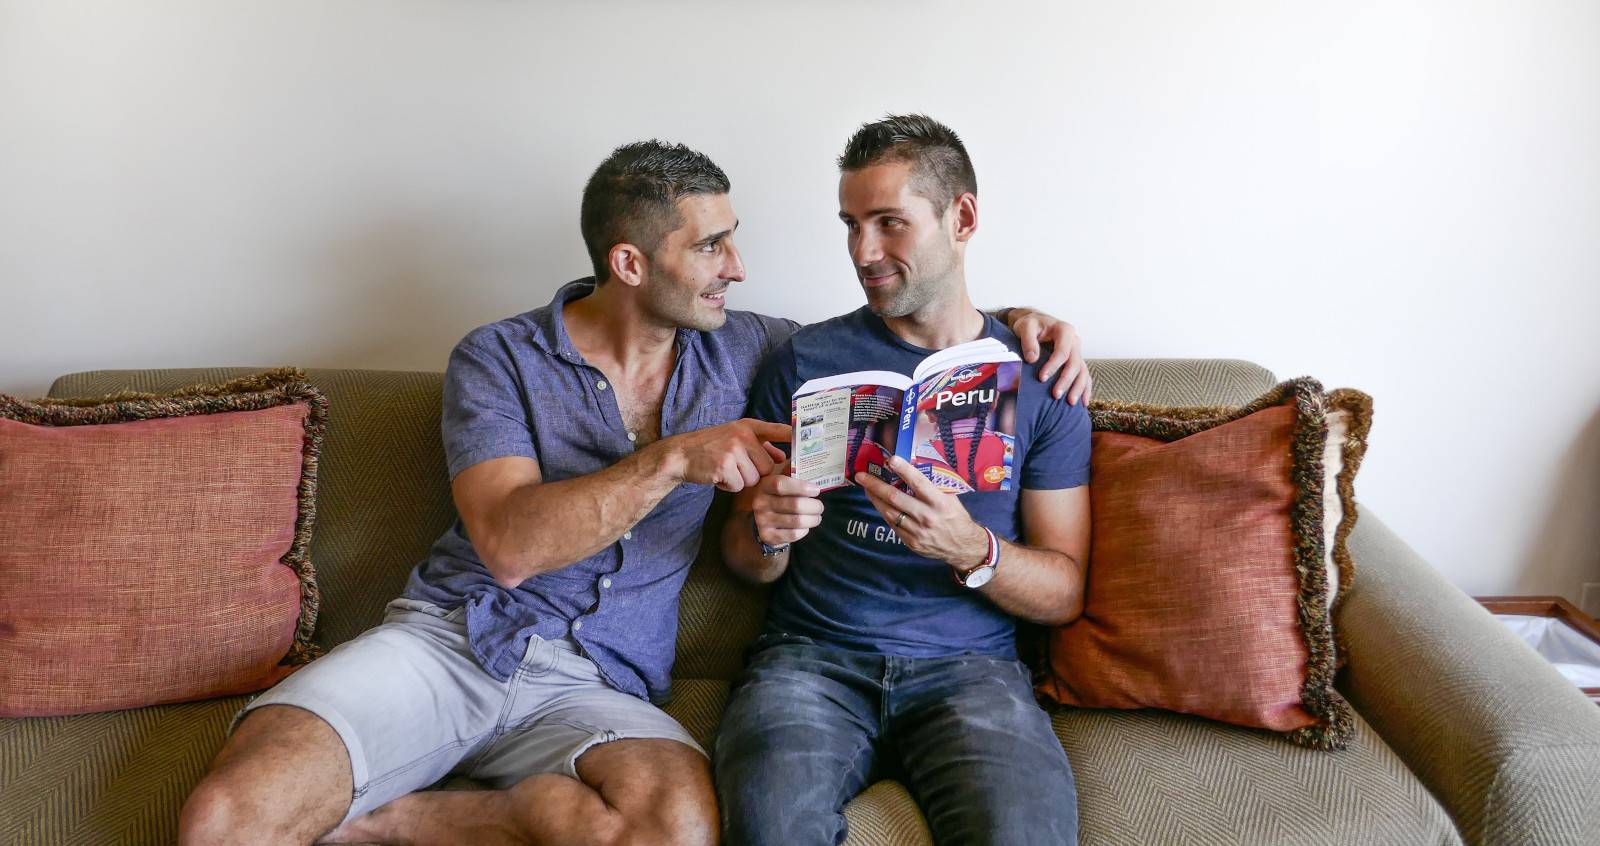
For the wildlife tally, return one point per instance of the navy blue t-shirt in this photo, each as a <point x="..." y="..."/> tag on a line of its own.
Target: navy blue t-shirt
<point x="851" y="583"/>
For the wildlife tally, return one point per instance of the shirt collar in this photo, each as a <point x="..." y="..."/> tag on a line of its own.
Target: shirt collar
<point x="550" y="328"/>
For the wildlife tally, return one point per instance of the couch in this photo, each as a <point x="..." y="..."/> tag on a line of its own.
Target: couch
<point x="1463" y="735"/>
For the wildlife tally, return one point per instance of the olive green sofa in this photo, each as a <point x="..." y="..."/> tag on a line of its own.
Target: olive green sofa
<point x="1462" y="735"/>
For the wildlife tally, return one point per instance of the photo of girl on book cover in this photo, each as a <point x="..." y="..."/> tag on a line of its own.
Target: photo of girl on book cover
<point x="965" y="432"/>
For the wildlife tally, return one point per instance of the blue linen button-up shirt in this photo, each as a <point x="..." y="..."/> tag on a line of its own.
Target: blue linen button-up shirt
<point x="519" y="387"/>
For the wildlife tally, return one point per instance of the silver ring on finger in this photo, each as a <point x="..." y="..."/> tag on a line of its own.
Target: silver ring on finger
<point x="899" y="520"/>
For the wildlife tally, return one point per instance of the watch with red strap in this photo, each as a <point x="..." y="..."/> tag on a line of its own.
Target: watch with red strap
<point x="982" y="574"/>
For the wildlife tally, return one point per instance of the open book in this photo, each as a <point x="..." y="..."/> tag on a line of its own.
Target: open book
<point x="955" y="419"/>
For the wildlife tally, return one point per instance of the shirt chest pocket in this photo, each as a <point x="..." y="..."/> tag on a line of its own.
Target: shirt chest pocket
<point x="721" y="407"/>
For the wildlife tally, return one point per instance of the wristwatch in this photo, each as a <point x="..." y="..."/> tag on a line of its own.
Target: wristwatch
<point x="982" y="574"/>
<point x="767" y="550"/>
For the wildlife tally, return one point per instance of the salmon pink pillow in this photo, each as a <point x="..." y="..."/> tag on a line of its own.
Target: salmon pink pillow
<point x="1217" y="555"/>
<point x="153" y="549"/>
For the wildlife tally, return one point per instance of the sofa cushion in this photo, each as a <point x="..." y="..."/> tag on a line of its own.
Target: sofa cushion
<point x="1158" y="777"/>
<point x="1144" y="777"/>
<point x="1218" y="552"/>
<point x="109" y="778"/>
<point x="157" y="545"/>
<point x="383" y="496"/>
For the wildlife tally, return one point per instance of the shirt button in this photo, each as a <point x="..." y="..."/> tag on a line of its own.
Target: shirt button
<point x="632" y="436"/>
<point x="627" y="535"/>
<point x="605" y="583"/>
<point x="577" y="624"/>
<point x="601" y="384"/>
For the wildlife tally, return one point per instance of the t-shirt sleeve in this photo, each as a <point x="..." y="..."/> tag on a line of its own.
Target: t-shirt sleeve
<point x="484" y="413"/>
<point x="772" y="392"/>
<point x="1059" y="455"/>
<point x="777" y="331"/>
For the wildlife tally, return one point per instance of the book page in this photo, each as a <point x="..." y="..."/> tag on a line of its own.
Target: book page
<point x="844" y="424"/>
<point x="821" y="427"/>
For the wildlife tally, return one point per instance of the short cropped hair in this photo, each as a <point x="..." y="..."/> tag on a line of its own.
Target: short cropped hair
<point x="941" y="170"/>
<point x="632" y="196"/>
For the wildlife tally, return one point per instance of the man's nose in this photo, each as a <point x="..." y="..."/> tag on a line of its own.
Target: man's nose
<point x="866" y="250"/>
<point x="733" y="268"/>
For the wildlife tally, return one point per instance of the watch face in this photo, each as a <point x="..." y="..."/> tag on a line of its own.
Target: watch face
<point x="979" y="577"/>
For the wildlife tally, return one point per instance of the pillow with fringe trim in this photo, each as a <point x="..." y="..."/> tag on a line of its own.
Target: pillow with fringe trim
<point x="156" y="547"/>
<point x="1217" y="557"/>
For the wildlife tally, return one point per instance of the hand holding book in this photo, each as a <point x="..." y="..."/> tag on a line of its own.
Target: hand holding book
<point x="785" y="509"/>
<point x="933" y="526"/>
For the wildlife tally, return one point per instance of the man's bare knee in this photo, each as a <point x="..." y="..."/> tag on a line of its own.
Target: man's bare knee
<point x="660" y="789"/>
<point x="680" y="818"/>
<point x="209" y="815"/>
<point x="283" y="776"/>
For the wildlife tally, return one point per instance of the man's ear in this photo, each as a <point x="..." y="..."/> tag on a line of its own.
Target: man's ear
<point x="965" y="211"/>
<point x="627" y="264"/>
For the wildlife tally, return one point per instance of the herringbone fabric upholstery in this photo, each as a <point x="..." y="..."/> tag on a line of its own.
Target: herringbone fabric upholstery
<point x="110" y="779"/>
<point x="1500" y="737"/>
<point x="1143" y="777"/>
<point x="1147" y="777"/>
<point x="718" y="615"/>
<point x="1179" y="381"/>
<point x="1157" y="777"/>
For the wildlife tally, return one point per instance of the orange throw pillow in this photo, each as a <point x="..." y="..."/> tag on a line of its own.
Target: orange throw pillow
<point x="1216" y="557"/>
<point x="155" y="548"/>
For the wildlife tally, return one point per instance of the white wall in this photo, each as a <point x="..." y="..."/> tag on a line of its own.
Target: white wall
<point x="1401" y="197"/>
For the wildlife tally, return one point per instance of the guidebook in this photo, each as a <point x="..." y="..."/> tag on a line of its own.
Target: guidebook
<point x="954" y="419"/>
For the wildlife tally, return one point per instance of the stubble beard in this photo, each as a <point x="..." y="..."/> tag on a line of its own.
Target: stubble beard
<point x="909" y="296"/>
<point x="675" y="302"/>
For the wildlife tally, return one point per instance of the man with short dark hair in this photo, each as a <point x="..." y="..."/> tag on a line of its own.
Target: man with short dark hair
<point x="890" y="641"/>
<point x="531" y="649"/>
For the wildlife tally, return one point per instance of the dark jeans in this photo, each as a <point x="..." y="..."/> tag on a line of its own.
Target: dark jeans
<point x="808" y="727"/>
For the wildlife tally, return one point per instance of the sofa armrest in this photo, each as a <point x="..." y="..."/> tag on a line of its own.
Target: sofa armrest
<point x="1508" y="745"/>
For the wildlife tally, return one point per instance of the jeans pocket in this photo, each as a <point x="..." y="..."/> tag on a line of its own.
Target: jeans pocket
<point x="768" y="640"/>
<point x="405" y="605"/>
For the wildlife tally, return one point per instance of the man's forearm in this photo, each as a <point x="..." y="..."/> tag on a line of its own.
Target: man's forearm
<point x="1038" y="585"/>
<point x="742" y="552"/>
<point x="549" y="525"/>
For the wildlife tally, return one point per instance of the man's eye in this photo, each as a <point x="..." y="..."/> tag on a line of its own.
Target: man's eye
<point x="893" y="223"/>
<point x="711" y="247"/>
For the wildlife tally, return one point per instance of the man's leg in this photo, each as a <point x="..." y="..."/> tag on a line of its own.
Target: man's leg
<point x="580" y="762"/>
<point x="980" y="756"/>
<point x="796" y="743"/>
<point x="283" y="777"/>
<point x="628" y="791"/>
<point x="387" y="713"/>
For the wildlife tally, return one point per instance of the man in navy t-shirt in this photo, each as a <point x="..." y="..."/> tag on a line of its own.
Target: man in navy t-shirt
<point x="890" y="643"/>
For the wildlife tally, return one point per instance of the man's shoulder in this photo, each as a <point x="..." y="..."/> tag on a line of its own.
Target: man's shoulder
<point x="508" y="338"/>
<point x="534" y="330"/>
<point x="753" y="332"/>
<point x="999" y="331"/>
<point x="844" y="327"/>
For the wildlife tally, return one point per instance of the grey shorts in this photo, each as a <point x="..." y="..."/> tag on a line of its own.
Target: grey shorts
<point x="412" y="707"/>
